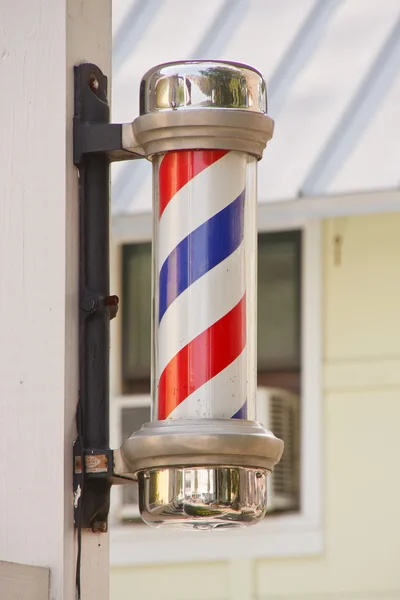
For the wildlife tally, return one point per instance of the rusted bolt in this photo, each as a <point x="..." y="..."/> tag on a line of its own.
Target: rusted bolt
<point x="112" y="301"/>
<point x="94" y="83"/>
<point x="99" y="526"/>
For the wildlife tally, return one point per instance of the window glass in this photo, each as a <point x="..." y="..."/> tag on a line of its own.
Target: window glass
<point x="278" y="339"/>
<point x="279" y="291"/>
<point x="136" y="308"/>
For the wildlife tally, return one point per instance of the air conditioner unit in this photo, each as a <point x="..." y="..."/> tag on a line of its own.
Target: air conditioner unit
<point x="128" y="414"/>
<point x="279" y="411"/>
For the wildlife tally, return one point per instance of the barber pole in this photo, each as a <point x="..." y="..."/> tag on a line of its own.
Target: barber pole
<point x="203" y="460"/>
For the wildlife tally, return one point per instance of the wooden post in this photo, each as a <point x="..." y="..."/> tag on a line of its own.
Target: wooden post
<point x="40" y="41"/>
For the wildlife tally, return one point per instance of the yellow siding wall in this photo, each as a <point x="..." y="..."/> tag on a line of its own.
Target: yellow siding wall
<point x="362" y="444"/>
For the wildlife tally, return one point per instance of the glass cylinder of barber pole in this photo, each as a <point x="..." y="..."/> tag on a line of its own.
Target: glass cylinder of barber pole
<point x="204" y="281"/>
<point x="203" y="460"/>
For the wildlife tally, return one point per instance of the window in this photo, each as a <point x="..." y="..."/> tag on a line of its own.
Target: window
<point x="279" y="328"/>
<point x="279" y="354"/>
<point x="293" y="369"/>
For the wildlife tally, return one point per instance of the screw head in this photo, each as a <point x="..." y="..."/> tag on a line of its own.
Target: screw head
<point x="88" y="303"/>
<point x="94" y="83"/>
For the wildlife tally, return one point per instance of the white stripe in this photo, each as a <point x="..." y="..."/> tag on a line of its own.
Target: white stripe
<point x="203" y="303"/>
<point x="201" y="198"/>
<point x="219" y="398"/>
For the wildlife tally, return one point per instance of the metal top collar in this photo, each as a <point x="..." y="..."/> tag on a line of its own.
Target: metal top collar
<point x="197" y="84"/>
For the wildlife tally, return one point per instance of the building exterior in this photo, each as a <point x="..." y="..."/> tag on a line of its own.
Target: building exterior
<point x="329" y="206"/>
<point x="41" y="41"/>
<point x="351" y="551"/>
<point x="328" y="221"/>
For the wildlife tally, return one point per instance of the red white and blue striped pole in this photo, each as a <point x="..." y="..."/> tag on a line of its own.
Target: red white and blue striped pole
<point x="201" y="327"/>
<point x="203" y="460"/>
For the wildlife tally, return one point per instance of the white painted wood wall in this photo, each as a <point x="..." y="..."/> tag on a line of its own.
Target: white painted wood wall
<point x="40" y="41"/>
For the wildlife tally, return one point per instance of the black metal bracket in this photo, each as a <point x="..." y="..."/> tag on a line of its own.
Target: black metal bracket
<point x="97" y="142"/>
<point x="92" y="133"/>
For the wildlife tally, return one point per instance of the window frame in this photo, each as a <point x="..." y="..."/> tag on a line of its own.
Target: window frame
<point x="280" y="535"/>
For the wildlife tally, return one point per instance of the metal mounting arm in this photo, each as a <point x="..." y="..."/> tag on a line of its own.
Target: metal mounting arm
<point x="97" y="142"/>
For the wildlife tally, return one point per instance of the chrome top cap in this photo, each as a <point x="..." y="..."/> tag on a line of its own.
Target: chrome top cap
<point x="202" y="84"/>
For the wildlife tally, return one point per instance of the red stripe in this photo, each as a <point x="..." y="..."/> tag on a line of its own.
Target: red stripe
<point x="203" y="358"/>
<point x="177" y="168"/>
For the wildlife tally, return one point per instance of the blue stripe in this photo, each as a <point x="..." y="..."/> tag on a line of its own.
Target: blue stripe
<point x="241" y="413"/>
<point x="200" y="251"/>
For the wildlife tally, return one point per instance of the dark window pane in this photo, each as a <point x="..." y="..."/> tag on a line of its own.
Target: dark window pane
<point x="279" y="260"/>
<point x="136" y="312"/>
